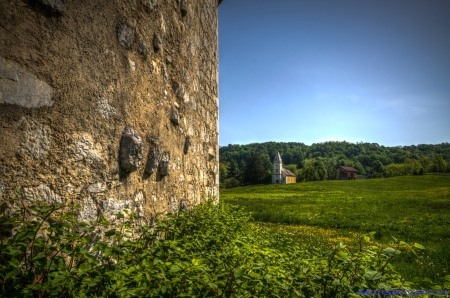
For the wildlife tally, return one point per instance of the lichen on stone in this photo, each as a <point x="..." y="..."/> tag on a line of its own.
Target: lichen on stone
<point x="36" y="138"/>
<point x="85" y="148"/>
<point x="42" y="193"/>
<point x="104" y="107"/>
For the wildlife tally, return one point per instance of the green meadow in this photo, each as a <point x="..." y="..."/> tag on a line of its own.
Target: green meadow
<point x="415" y="209"/>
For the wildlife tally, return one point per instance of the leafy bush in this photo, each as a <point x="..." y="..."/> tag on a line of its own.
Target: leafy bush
<point x="212" y="250"/>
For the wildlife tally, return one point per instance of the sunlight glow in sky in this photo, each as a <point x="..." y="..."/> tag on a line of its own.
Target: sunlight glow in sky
<point x="311" y="71"/>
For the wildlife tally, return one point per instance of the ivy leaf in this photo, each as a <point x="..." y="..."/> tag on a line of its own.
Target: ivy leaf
<point x="238" y="272"/>
<point x="372" y="274"/>
<point x="85" y="267"/>
<point x="389" y="252"/>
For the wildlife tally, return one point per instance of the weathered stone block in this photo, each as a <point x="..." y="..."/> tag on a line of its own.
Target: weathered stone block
<point x="164" y="163"/>
<point x="157" y="42"/>
<point x="187" y="145"/>
<point x="175" y="117"/>
<point x="152" y="160"/>
<point x="125" y="35"/>
<point x="143" y="49"/>
<point x="180" y="92"/>
<point x="19" y="87"/>
<point x="131" y="148"/>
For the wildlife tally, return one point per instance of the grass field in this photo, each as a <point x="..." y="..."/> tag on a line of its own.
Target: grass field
<point x="415" y="209"/>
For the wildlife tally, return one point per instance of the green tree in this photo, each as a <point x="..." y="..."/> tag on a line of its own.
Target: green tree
<point x="378" y="169"/>
<point x="223" y="172"/>
<point x="230" y="183"/>
<point x="255" y="172"/>
<point x="321" y="170"/>
<point x="233" y="170"/>
<point x="439" y="164"/>
<point x="309" y="173"/>
<point x="411" y="166"/>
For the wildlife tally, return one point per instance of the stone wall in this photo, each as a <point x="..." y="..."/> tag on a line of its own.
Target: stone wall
<point x="109" y="103"/>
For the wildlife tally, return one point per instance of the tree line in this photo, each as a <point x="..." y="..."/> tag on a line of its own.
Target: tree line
<point x="252" y="163"/>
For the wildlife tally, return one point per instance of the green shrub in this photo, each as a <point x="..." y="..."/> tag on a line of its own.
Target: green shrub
<point x="210" y="251"/>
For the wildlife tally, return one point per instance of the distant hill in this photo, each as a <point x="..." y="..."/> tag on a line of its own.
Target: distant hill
<point x="319" y="161"/>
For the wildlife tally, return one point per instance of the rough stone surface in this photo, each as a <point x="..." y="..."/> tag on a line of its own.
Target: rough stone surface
<point x="184" y="205"/>
<point x="97" y="188"/>
<point x="89" y="211"/>
<point x="152" y="160"/>
<point x="150" y="5"/>
<point x="211" y="154"/>
<point x="125" y="35"/>
<point x="157" y="42"/>
<point x="105" y="108"/>
<point x="22" y="88"/>
<point x="132" y="65"/>
<point x="164" y="163"/>
<point x="36" y="138"/>
<point x="180" y="92"/>
<point x="143" y="49"/>
<point x="85" y="148"/>
<point x="131" y="148"/>
<point x="187" y="145"/>
<point x="138" y="204"/>
<point x="175" y="117"/>
<point x="111" y="207"/>
<point x="71" y="84"/>
<point x="42" y="193"/>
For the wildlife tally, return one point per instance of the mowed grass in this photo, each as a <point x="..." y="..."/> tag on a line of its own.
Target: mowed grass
<point x="415" y="209"/>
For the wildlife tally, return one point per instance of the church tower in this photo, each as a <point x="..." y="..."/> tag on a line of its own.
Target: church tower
<point x="277" y="166"/>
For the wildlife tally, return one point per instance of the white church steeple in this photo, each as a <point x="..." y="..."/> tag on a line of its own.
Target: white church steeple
<point x="277" y="166"/>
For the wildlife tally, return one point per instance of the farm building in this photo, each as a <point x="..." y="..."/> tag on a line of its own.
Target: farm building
<point x="280" y="175"/>
<point x="347" y="173"/>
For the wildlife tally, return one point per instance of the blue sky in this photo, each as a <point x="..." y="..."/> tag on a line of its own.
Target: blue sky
<point x="310" y="71"/>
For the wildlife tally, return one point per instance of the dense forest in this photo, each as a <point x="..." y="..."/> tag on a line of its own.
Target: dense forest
<point x="252" y="163"/>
